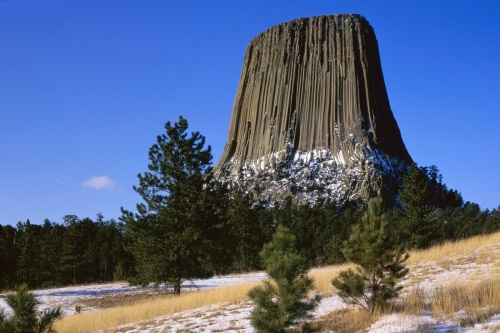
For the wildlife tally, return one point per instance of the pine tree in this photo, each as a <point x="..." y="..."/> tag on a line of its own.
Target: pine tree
<point x="282" y="301"/>
<point x="50" y="249"/>
<point x="374" y="248"/>
<point x="76" y="261"/>
<point x="171" y="237"/>
<point x="25" y="317"/>
<point x="416" y="195"/>
<point x="247" y="235"/>
<point x="417" y="202"/>
<point x="341" y="226"/>
<point x="28" y="261"/>
<point x="8" y="256"/>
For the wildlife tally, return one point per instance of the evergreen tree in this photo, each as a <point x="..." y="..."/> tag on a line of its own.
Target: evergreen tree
<point x="71" y="252"/>
<point x="77" y="264"/>
<point x="422" y="194"/>
<point x="247" y="236"/>
<point x="52" y="254"/>
<point x="493" y="220"/>
<point x="7" y="256"/>
<point x="417" y="203"/>
<point x="467" y="221"/>
<point x="50" y="246"/>
<point x="108" y="250"/>
<point x="282" y="301"/>
<point x="215" y="204"/>
<point x="28" y="260"/>
<point x="25" y="317"/>
<point x="340" y="226"/>
<point x="303" y="222"/>
<point x="373" y="247"/>
<point x="171" y="237"/>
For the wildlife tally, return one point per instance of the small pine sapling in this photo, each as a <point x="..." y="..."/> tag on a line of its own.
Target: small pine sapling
<point x="374" y="248"/>
<point x="25" y="317"/>
<point x="283" y="300"/>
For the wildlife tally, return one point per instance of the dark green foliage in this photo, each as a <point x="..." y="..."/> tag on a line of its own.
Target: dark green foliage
<point x="467" y="221"/>
<point x="215" y="227"/>
<point x="247" y="236"/>
<point x="52" y="254"/>
<point x="282" y="301"/>
<point x="108" y="251"/>
<point x="338" y="231"/>
<point x="307" y="224"/>
<point x="7" y="256"/>
<point x="25" y="317"/>
<point x="380" y="259"/>
<point x="422" y="194"/>
<point x="28" y="263"/>
<point x="417" y="203"/>
<point x="320" y="230"/>
<point x="173" y="236"/>
<point x="493" y="220"/>
<point x="76" y="256"/>
<point x="49" y="251"/>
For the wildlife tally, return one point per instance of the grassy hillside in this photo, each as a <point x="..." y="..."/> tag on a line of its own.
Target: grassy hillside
<point x="457" y="282"/>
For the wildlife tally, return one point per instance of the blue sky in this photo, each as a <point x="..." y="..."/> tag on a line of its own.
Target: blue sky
<point x="87" y="85"/>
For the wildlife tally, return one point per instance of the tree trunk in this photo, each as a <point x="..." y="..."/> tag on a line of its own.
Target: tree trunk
<point x="177" y="288"/>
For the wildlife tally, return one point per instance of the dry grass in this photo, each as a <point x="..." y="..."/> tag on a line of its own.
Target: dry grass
<point x="475" y="249"/>
<point x="347" y="321"/>
<point x="323" y="277"/>
<point x="147" y="309"/>
<point x="415" y="302"/>
<point x="109" y="319"/>
<point x="465" y="303"/>
<point x="122" y="299"/>
<point x="468" y="303"/>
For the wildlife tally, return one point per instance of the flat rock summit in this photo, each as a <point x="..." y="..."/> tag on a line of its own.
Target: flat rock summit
<point x="312" y="119"/>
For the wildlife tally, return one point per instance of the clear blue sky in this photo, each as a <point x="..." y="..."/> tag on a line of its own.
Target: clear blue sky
<point x="87" y="85"/>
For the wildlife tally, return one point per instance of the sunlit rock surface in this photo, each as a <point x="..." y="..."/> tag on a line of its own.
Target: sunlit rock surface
<point x="312" y="118"/>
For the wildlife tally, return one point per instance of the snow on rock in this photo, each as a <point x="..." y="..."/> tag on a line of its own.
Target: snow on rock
<point x="315" y="175"/>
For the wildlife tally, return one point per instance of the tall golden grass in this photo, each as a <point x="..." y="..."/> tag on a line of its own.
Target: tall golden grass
<point x="109" y="319"/>
<point x="474" y="249"/>
<point x="466" y="303"/>
<point x="166" y="305"/>
<point x="347" y="321"/>
<point x="463" y="303"/>
<point x="323" y="277"/>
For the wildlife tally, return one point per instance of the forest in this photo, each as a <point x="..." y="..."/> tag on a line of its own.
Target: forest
<point x="191" y="227"/>
<point x="87" y="250"/>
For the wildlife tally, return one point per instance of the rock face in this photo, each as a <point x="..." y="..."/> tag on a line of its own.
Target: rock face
<point x="311" y="118"/>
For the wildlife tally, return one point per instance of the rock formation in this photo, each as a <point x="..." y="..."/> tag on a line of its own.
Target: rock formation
<point x="311" y="118"/>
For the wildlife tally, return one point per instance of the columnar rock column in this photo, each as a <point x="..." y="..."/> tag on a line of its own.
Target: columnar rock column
<point x="311" y="118"/>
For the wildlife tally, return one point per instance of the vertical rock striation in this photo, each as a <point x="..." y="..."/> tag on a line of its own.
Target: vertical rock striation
<point x="311" y="118"/>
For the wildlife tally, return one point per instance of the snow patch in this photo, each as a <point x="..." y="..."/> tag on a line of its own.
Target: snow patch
<point x="313" y="175"/>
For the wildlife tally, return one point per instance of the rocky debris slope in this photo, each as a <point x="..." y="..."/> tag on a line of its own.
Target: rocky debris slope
<point x="311" y="118"/>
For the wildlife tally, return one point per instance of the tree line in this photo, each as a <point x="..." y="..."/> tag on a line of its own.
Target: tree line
<point x="188" y="226"/>
<point x="76" y="251"/>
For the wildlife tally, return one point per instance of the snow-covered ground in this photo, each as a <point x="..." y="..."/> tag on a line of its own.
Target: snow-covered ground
<point x="69" y="297"/>
<point x="235" y="317"/>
